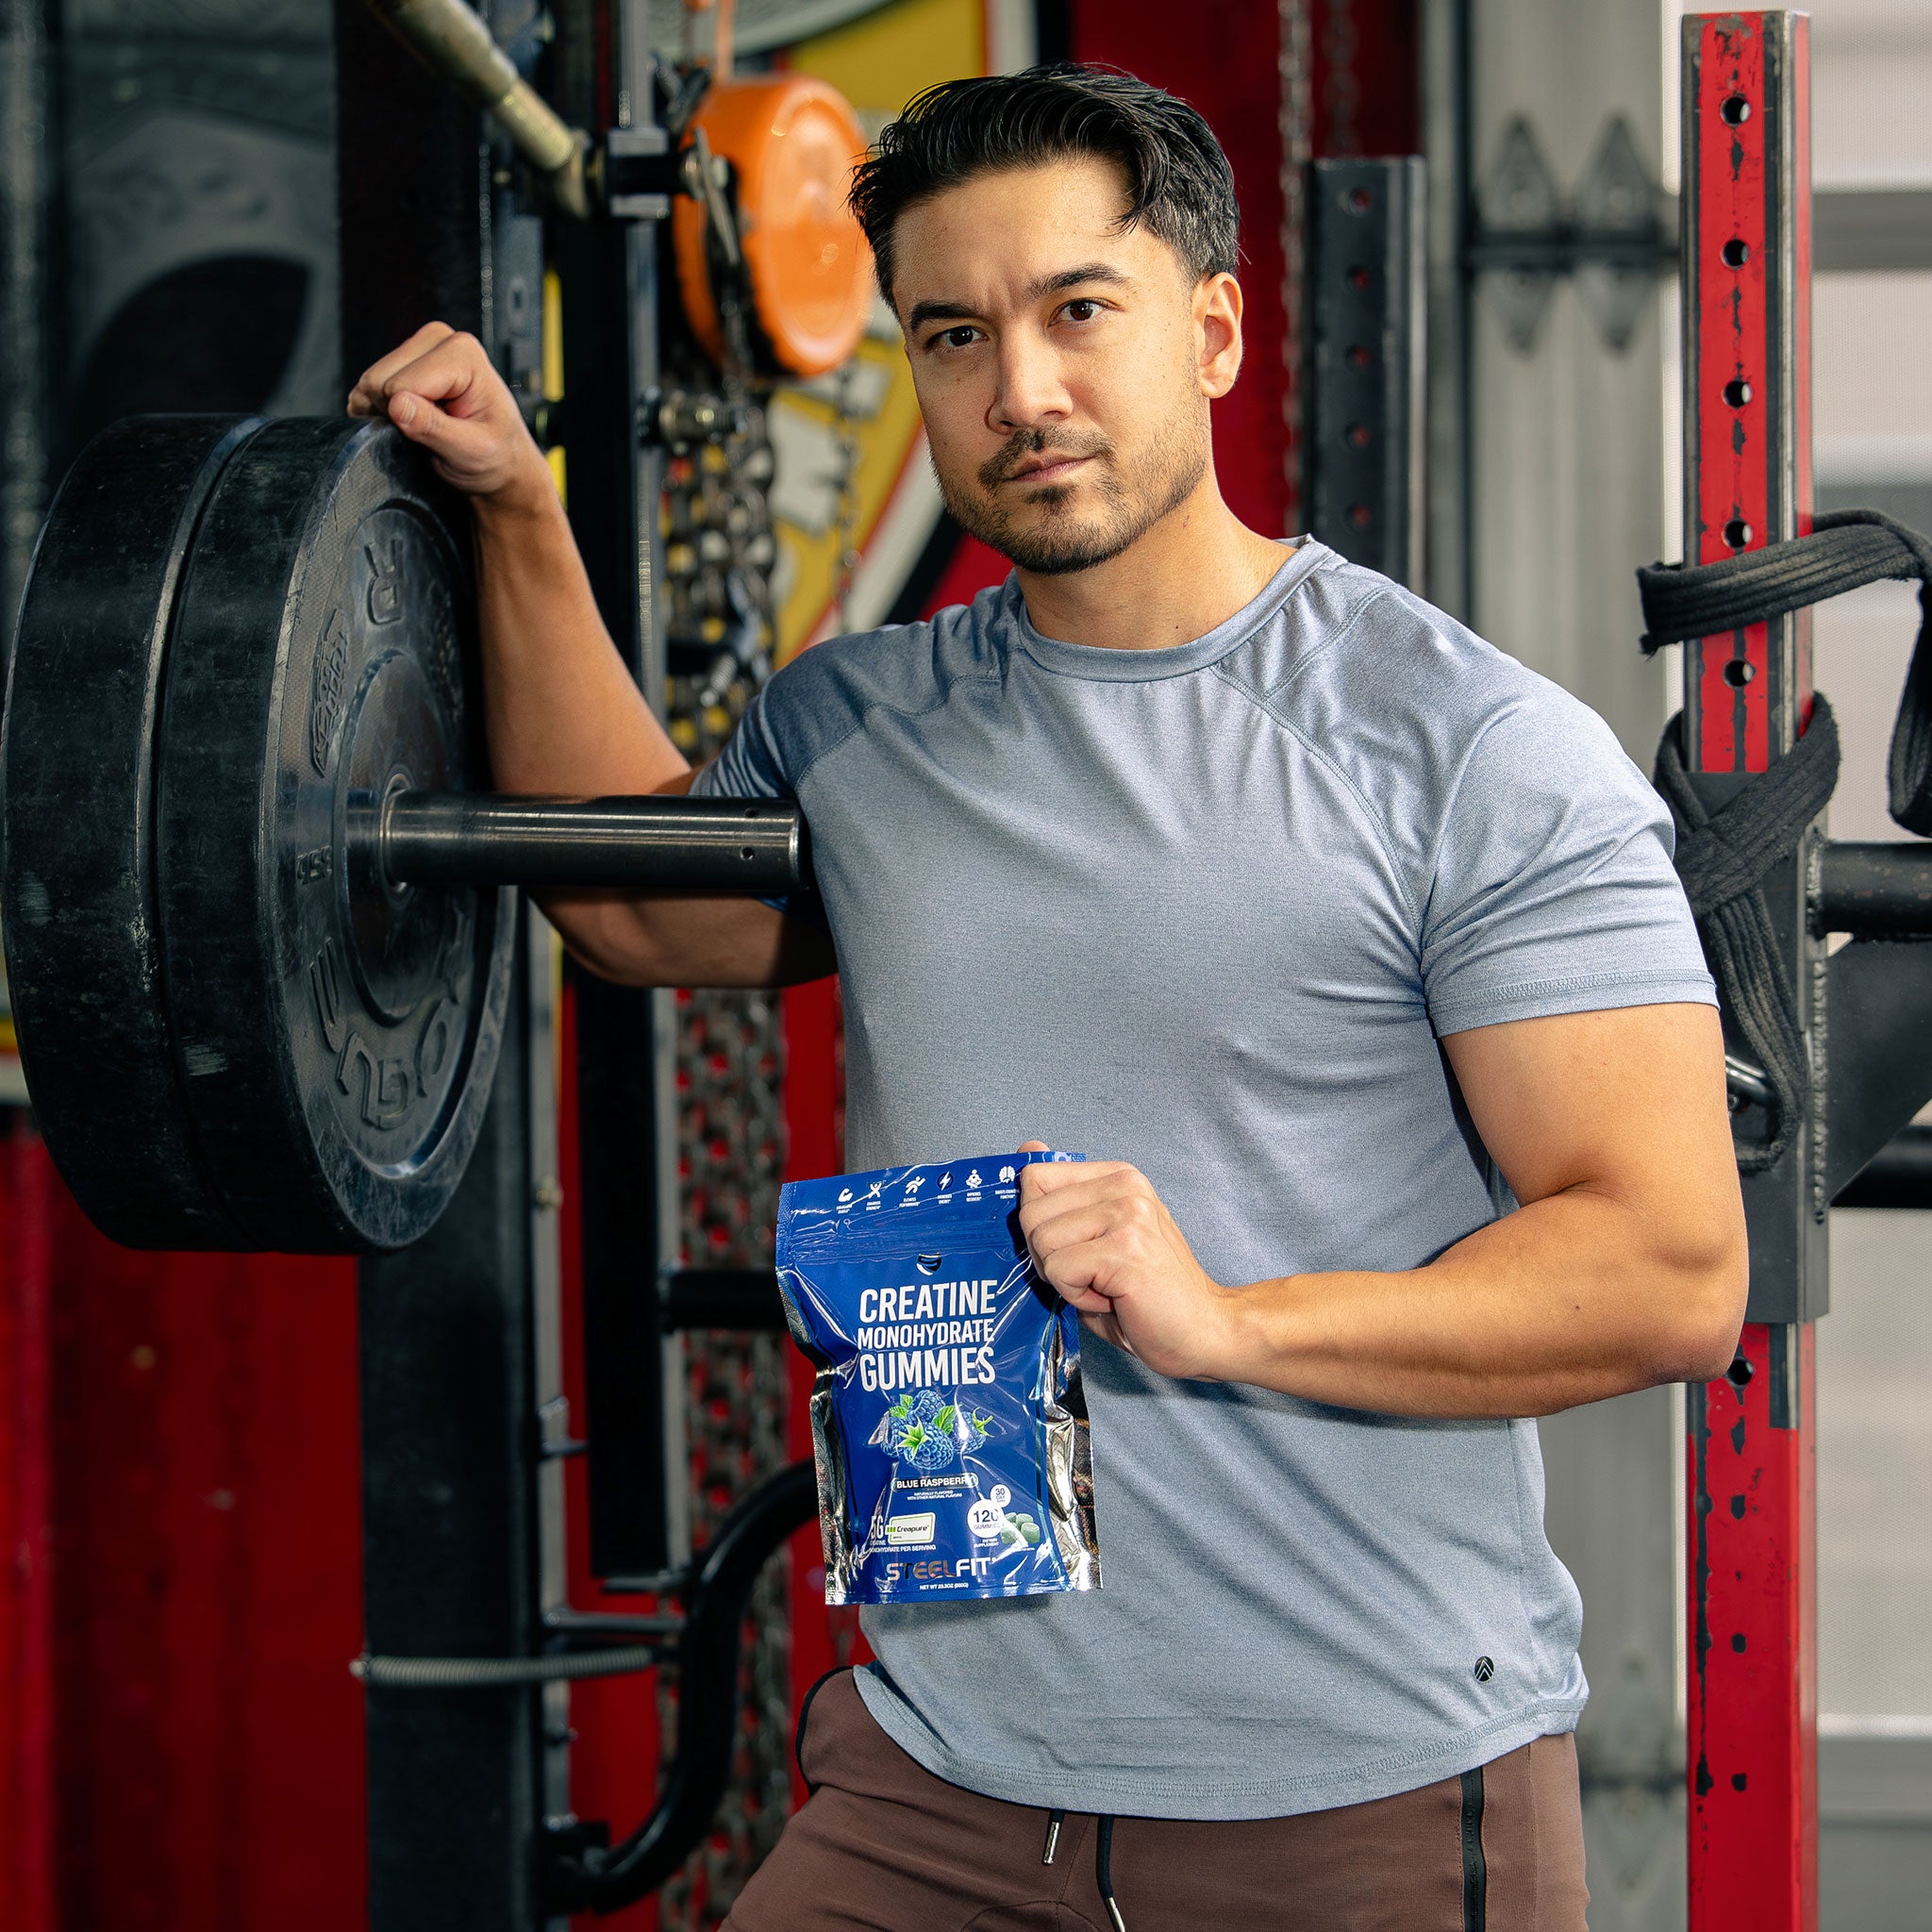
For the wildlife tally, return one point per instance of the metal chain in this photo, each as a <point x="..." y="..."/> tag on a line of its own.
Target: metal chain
<point x="1295" y="118"/>
<point x="720" y="551"/>
<point x="719" y="554"/>
<point x="845" y="555"/>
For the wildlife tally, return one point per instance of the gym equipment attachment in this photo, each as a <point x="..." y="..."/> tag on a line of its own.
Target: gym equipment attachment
<point x="755" y="187"/>
<point x="454" y="41"/>
<point x="790" y="143"/>
<point x="258" y="928"/>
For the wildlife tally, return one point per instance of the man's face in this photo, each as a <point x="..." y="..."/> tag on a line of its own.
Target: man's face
<point x="1063" y="365"/>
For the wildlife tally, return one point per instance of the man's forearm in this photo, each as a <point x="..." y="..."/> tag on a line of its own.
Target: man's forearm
<point x="564" y="714"/>
<point x="1567" y="1301"/>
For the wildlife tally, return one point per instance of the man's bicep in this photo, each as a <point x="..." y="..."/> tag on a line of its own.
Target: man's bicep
<point x="1631" y="1099"/>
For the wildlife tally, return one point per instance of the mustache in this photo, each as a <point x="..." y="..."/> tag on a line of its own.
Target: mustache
<point x="1036" y="443"/>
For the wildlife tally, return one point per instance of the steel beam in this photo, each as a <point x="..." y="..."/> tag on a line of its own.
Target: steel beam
<point x="1746" y="278"/>
<point x="634" y="1370"/>
<point x="1362" y="390"/>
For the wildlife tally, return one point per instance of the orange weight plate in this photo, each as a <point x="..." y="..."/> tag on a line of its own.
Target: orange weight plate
<point x="792" y="142"/>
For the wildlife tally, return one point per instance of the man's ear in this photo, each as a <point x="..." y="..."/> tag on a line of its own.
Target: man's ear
<point x="1217" y="332"/>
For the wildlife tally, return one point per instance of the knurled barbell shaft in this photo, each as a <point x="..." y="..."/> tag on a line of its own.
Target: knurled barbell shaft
<point x="684" y="844"/>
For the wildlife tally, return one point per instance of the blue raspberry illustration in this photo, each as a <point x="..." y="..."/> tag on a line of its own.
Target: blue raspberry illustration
<point x="918" y="1430"/>
<point x="934" y="1449"/>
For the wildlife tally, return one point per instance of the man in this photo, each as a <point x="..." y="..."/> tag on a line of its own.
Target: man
<point x="1339" y="933"/>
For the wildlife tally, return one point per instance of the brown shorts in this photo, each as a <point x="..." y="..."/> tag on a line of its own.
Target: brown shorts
<point x="882" y="1844"/>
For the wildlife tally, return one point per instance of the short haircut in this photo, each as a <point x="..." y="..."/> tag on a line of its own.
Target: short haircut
<point x="1177" y="179"/>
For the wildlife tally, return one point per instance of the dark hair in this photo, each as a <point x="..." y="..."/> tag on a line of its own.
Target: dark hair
<point x="1179" y="181"/>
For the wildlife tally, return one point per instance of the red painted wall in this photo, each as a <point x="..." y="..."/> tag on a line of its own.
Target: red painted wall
<point x="1227" y="64"/>
<point x="27" y="1830"/>
<point x="180" y="1739"/>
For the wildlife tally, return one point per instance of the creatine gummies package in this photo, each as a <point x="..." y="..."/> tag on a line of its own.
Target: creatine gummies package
<point x="947" y="1417"/>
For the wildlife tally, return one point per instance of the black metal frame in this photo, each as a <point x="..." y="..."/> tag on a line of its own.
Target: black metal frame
<point x="584" y="1874"/>
<point x="1366" y="360"/>
<point x="448" y="1409"/>
<point x="603" y="78"/>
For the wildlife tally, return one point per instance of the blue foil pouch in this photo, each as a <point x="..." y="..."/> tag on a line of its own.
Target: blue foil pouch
<point x="948" y="1421"/>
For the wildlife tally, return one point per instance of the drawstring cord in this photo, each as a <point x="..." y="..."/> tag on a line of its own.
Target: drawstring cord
<point x="1102" y="1873"/>
<point x="1054" y="1820"/>
<point x="1103" y="1860"/>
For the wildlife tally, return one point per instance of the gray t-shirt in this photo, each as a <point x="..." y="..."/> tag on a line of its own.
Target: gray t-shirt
<point x="1208" y="910"/>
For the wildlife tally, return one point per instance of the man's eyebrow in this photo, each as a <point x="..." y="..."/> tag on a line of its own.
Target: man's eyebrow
<point x="1089" y="272"/>
<point x="924" y="313"/>
<point x="1103" y="272"/>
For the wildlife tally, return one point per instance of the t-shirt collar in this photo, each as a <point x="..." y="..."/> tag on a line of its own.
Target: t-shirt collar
<point x="1105" y="663"/>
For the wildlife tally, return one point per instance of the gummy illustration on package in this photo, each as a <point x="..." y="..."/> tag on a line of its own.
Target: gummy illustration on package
<point x="947" y="1417"/>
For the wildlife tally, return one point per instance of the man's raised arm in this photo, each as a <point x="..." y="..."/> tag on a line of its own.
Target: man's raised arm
<point x="562" y="712"/>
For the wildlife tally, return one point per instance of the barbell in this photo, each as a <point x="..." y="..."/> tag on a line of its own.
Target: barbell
<point x="259" y="920"/>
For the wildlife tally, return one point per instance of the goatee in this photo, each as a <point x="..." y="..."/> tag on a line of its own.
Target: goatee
<point x="1042" y="533"/>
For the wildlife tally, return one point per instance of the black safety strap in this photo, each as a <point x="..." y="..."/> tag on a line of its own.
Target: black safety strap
<point x="1723" y="857"/>
<point x="1847" y="550"/>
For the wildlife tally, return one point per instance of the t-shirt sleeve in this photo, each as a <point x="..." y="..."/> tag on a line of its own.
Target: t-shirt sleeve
<point x="1554" y="890"/>
<point x="750" y="765"/>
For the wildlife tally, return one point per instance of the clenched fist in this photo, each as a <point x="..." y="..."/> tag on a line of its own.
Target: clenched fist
<point x="441" y="390"/>
<point x="1099" y="1234"/>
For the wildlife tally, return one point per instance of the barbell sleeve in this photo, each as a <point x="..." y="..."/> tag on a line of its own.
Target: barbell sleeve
<point x="453" y="41"/>
<point x="1882" y="890"/>
<point x="751" y="846"/>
